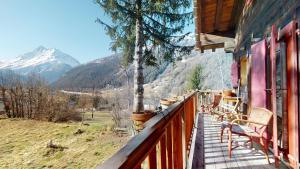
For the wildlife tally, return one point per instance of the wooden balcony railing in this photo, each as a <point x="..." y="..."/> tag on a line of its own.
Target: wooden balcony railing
<point x="163" y="143"/>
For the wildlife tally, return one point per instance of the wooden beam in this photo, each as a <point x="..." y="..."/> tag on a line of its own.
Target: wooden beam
<point x="218" y="16"/>
<point x="203" y="17"/>
<point x="212" y="46"/>
<point x="235" y="13"/>
<point x="197" y="16"/>
<point x="273" y="96"/>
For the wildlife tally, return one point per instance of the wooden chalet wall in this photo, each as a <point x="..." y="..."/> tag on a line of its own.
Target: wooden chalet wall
<point x="255" y="24"/>
<point x="257" y="18"/>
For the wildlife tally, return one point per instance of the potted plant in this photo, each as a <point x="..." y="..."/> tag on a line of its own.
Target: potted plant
<point x="165" y="103"/>
<point x="139" y="119"/>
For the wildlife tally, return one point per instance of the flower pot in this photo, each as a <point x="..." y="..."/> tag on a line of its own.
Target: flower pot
<point x="165" y="103"/>
<point x="228" y="93"/>
<point x="139" y="119"/>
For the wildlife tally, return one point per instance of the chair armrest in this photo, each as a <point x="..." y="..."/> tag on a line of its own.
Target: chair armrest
<point x="242" y="115"/>
<point x="254" y="122"/>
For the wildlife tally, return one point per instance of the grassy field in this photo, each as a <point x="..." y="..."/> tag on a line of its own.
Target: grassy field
<point x="23" y="143"/>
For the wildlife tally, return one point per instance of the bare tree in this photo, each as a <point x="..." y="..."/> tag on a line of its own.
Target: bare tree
<point x="32" y="98"/>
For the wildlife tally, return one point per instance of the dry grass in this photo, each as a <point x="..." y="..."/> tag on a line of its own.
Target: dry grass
<point x="23" y="143"/>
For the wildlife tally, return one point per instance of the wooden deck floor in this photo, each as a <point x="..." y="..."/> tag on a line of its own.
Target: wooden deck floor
<point x="210" y="153"/>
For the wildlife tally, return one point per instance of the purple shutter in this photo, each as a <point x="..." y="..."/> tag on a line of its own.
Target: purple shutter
<point x="258" y="74"/>
<point x="234" y="74"/>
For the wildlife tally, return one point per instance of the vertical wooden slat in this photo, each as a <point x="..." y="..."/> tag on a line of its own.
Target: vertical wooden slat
<point x="163" y="158"/>
<point x="180" y="145"/>
<point x="193" y="114"/>
<point x="186" y="122"/>
<point x="138" y="167"/>
<point x="183" y="116"/>
<point x="273" y="83"/>
<point x="152" y="159"/>
<point x="169" y="146"/>
<point x="177" y="140"/>
<point x="292" y="102"/>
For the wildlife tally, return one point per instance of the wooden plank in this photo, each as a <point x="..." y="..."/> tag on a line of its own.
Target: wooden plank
<point x="163" y="158"/>
<point x="203" y="16"/>
<point x="292" y="102"/>
<point x="273" y="96"/>
<point x="177" y="140"/>
<point x="198" y="22"/>
<point x="219" y="12"/>
<point x="169" y="146"/>
<point x="198" y="156"/>
<point x="152" y="164"/>
<point x="138" y="167"/>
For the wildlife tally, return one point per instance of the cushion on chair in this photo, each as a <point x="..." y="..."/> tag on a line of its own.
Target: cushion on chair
<point x="224" y="124"/>
<point x="240" y="129"/>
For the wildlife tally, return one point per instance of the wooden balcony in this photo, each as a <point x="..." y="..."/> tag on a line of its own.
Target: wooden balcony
<point x="182" y="137"/>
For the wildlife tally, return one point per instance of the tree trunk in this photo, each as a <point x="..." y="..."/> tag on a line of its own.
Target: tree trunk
<point x="138" y="105"/>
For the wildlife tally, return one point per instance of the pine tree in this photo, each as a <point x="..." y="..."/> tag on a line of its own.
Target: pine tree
<point x="145" y="30"/>
<point x="195" y="81"/>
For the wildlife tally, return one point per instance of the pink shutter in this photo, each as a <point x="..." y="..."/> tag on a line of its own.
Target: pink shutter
<point x="258" y="74"/>
<point x="234" y="74"/>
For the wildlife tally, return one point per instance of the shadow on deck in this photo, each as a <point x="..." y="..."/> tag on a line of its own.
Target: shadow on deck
<point x="210" y="153"/>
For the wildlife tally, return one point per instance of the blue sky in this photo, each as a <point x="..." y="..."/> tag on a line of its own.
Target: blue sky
<point x="68" y="25"/>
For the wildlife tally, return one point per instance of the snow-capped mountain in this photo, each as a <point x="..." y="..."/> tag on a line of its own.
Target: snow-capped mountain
<point x="49" y="63"/>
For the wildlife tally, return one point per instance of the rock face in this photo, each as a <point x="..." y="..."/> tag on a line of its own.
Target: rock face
<point x="48" y="63"/>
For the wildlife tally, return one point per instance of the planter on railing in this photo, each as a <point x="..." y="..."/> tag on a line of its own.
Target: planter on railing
<point x="165" y="103"/>
<point x="140" y="118"/>
<point x="228" y="93"/>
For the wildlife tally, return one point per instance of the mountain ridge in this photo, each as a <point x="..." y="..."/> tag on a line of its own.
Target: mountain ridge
<point x="50" y="63"/>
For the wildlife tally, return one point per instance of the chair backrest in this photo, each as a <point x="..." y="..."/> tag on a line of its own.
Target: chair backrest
<point x="217" y="100"/>
<point x="260" y="115"/>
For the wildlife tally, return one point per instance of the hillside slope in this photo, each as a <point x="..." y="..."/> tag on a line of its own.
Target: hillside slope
<point x="174" y="79"/>
<point x="104" y="73"/>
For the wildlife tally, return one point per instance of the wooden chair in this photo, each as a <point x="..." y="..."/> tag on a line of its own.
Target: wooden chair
<point x="227" y="109"/>
<point x="254" y="128"/>
<point x="216" y="102"/>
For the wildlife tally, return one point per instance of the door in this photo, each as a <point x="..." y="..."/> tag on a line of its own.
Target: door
<point x="286" y="89"/>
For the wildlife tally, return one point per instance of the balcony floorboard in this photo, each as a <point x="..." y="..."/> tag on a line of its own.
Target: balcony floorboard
<point x="210" y="153"/>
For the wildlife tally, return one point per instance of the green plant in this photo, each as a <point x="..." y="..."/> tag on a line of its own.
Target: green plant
<point x="195" y="80"/>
